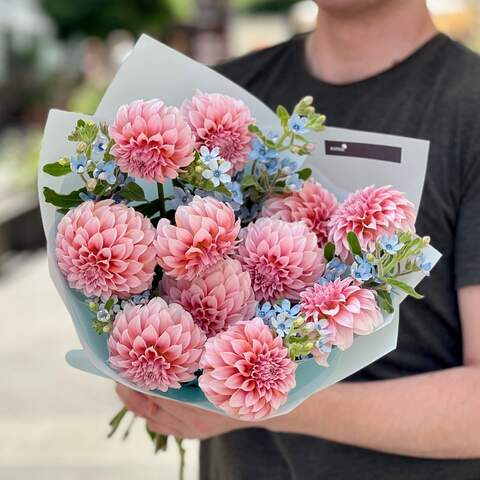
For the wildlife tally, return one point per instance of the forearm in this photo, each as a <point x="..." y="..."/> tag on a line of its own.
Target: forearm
<point x="434" y="415"/>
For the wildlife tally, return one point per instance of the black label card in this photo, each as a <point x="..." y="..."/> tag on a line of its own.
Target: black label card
<point x="370" y="151"/>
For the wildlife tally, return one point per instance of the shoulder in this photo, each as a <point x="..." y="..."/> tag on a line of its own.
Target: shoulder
<point x="462" y="67"/>
<point x="249" y="69"/>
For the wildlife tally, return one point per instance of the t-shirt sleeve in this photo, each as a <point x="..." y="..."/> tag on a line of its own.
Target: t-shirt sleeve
<point x="467" y="235"/>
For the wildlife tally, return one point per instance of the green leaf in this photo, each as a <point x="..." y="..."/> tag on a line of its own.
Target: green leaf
<point x="251" y="181"/>
<point x="385" y="301"/>
<point x="62" y="201"/>
<point x="329" y="251"/>
<point x="223" y="189"/>
<point x="254" y="129"/>
<point x="283" y="115"/>
<point x="57" y="169"/>
<point x="133" y="192"/>
<point x="305" y="173"/>
<point x="148" y="209"/>
<point x="353" y="243"/>
<point x="404" y="287"/>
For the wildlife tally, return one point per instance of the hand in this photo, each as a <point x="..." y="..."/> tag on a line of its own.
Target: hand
<point x="168" y="417"/>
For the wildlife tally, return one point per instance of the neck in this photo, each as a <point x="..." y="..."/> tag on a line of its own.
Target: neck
<point x="346" y="48"/>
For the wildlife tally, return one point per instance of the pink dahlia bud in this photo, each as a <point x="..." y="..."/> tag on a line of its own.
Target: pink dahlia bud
<point x="205" y="233"/>
<point x="221" y="121"/>
<point x="218" y="298"/>
<point x="152" y="140"/>
<point x="348" y="309"/>
<point x="370" y="213"/>
<point x="156" y="346"/>
<point x="106" y="249"/>
<point x="313" y="204"/>
<point x="282" y="258"/>
<point x="246" y="371"/>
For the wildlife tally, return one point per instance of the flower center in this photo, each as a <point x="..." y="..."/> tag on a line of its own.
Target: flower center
<point x="265" y="371"/>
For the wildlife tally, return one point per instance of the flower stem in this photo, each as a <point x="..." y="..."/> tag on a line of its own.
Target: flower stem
<point x="128" y="430"/>
<point x="161" y="199"/>
<point x="116" y="420"/>
<point x="181" y="451"/>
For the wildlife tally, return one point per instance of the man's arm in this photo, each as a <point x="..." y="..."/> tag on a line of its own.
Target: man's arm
<point x="433" y="415"/>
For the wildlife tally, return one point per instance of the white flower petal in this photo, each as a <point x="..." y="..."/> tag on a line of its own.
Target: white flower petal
<point x="208" y="174"/>
<point x="224" y="178"/>
<point x="213" y="164"/>
<point x="225" y="167"/>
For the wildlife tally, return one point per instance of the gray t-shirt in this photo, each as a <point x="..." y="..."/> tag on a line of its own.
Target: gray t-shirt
<point x="435" y="95"/>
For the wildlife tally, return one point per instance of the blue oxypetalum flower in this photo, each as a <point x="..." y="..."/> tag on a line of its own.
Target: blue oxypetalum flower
<point x="265" y="312"/>
<point x="86" y="196"/>
<point x="216" y="172"/>
<point x="282" y="324"/>
<point x="287" y="308"/>
<point x="237" y="196"/>
<point x="181" y="197"/>
<point x="391" y="244"/>
<point x="207" y="155"/>
<point x="334" y="269"/>
<point x="99" y="148"/>
<point x="105" y="171"/>
<point x="362" y="270"/>
<point x="288" y="166"/>
<point x="423" y="264"/>
<point x="293" y="183"/>
<point x="78" y="163"/>
<point x="298" y="124"/>
<point x="261" y="152"/>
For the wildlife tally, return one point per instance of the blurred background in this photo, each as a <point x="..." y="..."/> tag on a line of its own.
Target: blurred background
<point x="63" y="54"/>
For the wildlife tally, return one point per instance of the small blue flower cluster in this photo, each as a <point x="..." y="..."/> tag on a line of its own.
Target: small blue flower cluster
<point x="279" y="316"/>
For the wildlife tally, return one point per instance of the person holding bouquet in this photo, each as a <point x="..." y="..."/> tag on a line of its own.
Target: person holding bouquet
<point x="376" y="65"/>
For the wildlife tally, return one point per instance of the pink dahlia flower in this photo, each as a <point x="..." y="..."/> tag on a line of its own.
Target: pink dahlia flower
<point x="152" y="140"/>
<point x="155" y="346"/>
<point x="348" y="308"/>
<point x="313" y="204"/>
<point x="106" y="249"/>
<point x="204" y="234"/>
<point x="282" y="258"/>
<point x="221" y="121"/>
<point x="219" y="298"/>
<point x="246" y="371"/>
<point x="370" y="213"/>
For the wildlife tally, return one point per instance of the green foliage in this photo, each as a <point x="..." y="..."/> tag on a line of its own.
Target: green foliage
<point x="283" y="115"/>
<point x="404" y="287"/>
<point x="329" y="251"/>
<point x="134" y="192"/>
<point x="354" y="244"/>
<point x="63" y="201"/>
<point x="58" y="169"/>
<point x="385" y="301"/>
<point x="84" y="132"/>
<point x="305" y="173"/>
<point x="92" y="17"/>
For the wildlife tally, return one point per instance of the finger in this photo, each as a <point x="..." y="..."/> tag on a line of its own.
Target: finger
<point x="162" y="428"/>
<point x="182" y="413"/>
<point x="137" y="402"/>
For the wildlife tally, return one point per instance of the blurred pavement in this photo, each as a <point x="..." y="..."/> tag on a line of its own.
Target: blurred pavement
<point x="54" y="419"/>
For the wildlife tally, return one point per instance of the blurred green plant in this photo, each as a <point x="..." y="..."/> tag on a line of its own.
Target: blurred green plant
<point x="100" y="17"/>
<point x="263" y="5"/>
<point x="19" y="153"/>
<point x="85" y="98"/>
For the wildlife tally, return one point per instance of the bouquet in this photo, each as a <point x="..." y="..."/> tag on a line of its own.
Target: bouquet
<point x="202" y="260"/>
